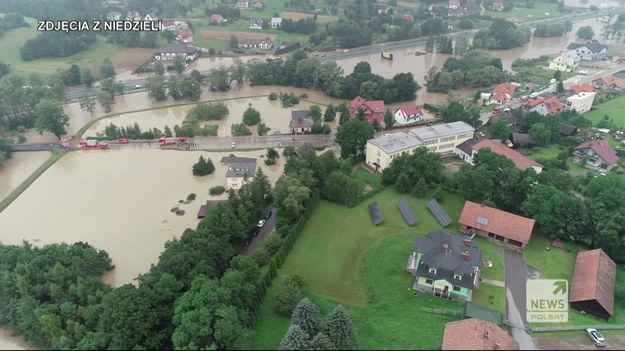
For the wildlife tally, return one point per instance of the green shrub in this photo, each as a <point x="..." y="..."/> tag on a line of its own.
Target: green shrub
<point x="291" y="292"/>
<point x="251" y="116"/>
<point x="217" y="190"/>
<point x="270" y="162"/>
<point x="273" y="96"/>
<point x="203" y="167"/>
<point x="191" y="197"/>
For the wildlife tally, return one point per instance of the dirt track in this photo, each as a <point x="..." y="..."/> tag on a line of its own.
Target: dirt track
<point x="225" y="35"/>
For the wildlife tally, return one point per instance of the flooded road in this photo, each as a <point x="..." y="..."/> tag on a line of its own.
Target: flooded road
<point x="119" y="201"/>
<point x="19" y="167"/>
<point x="272" y="114"/>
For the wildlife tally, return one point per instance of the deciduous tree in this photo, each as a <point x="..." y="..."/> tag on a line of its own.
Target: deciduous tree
<point x="51" y="118"/>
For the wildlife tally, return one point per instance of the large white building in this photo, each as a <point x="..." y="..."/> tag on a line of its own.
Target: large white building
<point x="581" y="102"/>
<point x="381" y="151"/>
<point x="442" y="139"/>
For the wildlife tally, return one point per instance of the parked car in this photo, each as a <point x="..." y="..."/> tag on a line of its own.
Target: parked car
<point x="233" y="145"/>
<point x="497" y="110"/>
<point x="123" y="140"/>
<point x="596" y="337"/>
<point x="268" y="214"/>
<point x="138" y="86"/>
<point x="261" y="223"/>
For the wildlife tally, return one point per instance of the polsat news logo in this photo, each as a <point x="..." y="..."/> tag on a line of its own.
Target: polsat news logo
<point x="547" y="301"/>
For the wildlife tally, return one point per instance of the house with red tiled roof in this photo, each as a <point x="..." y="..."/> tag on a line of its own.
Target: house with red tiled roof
<point x="584" y="88"/>
<point x="544" y="106"/>
<point x="408" y="114"/>
<point x="217" y="18"/>
<point x="185" y="36"/>
<point x="498" y="5"/>
<point x="592" y="286"/>
<point x="502" y="93"/>
<point x="169" y="24"/>
<point x="475" y="334"/>
<point x="373" y="110"/>
<point x="610" y="83"/>
<point x="521" y="161"/>
<point x="408" y="18"/>
<point x="597" y="155"/>
<point x="496" y="225"/>
<point x="263" y="44"/>
<point x="453" y="4"/>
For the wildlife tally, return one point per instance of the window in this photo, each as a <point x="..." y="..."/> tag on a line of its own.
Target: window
<point x="429" y="281"/>
<point x="446" y="146"/>
<point x="457" y="288"/>
<point x="432" y="148"/>
<point x="457" y="277"/>
<point x="448" y="138"/>
<point x="432" y="270"/>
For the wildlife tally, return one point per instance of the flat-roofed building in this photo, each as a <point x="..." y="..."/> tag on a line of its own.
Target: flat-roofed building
<point x="381" y="151"/>
<point x="443" y="138"/>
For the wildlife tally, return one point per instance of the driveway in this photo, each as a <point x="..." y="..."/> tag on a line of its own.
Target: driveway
<point x="269" y="227"/>
<point x="517" y="273"/>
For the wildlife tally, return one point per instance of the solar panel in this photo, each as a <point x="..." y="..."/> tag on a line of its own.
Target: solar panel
<point x="438" y="212"/>
<point x="482" y="220"/>
<point x="376" y="213"/>
<point x="407" y="212"/>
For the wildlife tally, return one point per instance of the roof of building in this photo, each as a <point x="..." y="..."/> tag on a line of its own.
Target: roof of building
<point x="552" y="104"/>
<point x="167" y="23"/>
<point x="499" y="96"/>
<point x="255" y="41"/>
<point x="256" y="20"/>
<point x="216" y="17"/>
<point x="580" y="96"/>
<point x="567" y="129"/>
<point x="449" y="254"/>
<point x="523" y="139"/>
<point x="411" y="110"/>
<point x="521" y="161"/>
<point x="454" y="3"/>
<point x="472" y="310"/>
<point x="395" y="142"/>
<point x="376" y="106"/>
<point x="177" y="48"/>
<point x="612" y="81"/>
<point x="581" y="88"/>
<point x="505" y="88"/>
<point x="185" y="34"/>
<point x="601" y="148"/>
<point x="276" y="19"/>
<point x="241" y="169"/>
<point x="467" y="146"/>
<point x="234" y="159"/>
<point x="497" y="221"/>
<point x="593" y="46"/>
<point x="299" y="114"/>
<point x="302" y="123"/>
<point x="441" y="130"/>
<point x="408" y="17"/>
<point x="475" y="334"/>
<point x="594" y="279"/>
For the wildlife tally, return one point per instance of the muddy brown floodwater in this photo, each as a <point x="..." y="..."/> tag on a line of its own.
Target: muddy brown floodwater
<point x="118" y="201"/>
<point x="272" y="114"/>
<point x="16" y="169"/>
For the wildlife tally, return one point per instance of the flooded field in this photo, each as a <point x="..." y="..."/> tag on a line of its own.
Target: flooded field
<point x="8" y="342"/>
<point x="272" y="114"/>
<point x="119" y="201"/>
<point x="16" y="169"/>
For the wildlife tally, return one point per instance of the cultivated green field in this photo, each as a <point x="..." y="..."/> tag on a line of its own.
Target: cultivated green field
<point x="344" y="259"/>
<point x="615" y="108"/>
<point x="525" y="14"/>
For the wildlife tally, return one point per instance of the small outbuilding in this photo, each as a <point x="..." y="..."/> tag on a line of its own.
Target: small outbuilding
<point x="592" y="287"/>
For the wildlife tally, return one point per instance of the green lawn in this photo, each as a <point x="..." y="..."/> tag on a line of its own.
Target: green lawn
<point x="344" y="259"/>
<point x="491" y="296"/>
<point x="560" y="264"/>
<point x="550" y="152"/>
<point x="495" y="253"/>
<point x="243" y="25"/>
<point x="371" y="179"/>
<point x="537" y="12"/>
<point x="615" y="108"/>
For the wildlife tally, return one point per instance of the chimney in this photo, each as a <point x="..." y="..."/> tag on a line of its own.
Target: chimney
<point x="486" y="334"/>
<point x="445" y="246"/>
<point x="467" y="242"/>
<point x="465" y="255"/>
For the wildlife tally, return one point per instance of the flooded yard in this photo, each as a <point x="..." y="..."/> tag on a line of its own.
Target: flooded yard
<point x="16" y="169"/>
<point x="118" y="201"/>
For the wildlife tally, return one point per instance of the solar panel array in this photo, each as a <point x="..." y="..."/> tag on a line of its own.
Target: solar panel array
<point x="438" y="212"/>
<point x="482" y="220"/>
<point x="407" y="212"/>
<point x="376" y="213"/>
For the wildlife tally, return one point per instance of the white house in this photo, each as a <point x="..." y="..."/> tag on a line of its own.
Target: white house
<point x="408" y="114"/>
<point x="592" y="50"/>
<point x="263" y="44"/>
<point x="256" y="23"/>
<point x="443" y="138"/>
<point x="133" y="16"/>
<point x="468" y="149"/>
<point x="382" y="151"/>
<point x="238" y="173"/>
<point x="169" y="52"/>
<point x="113" y="16"/>
<point x="276" y="22"/>
<point x="151" y="17"/>
<point x="565" y="62"/>
<point x="581" y="102"/>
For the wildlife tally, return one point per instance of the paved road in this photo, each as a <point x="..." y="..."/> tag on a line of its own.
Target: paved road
<point x="74" y="93"/>
<point x="516" y="278"/>
<point x="269" y="227"/>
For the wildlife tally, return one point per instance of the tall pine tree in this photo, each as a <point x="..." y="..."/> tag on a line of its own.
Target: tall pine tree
<point x="295" y="339"/>
<point x="340" y="329"/>
<point x="307" y="316"/>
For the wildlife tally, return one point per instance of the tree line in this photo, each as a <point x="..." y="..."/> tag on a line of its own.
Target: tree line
<point x="10" y="21"/>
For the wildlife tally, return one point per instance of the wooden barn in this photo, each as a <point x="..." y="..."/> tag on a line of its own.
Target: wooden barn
<point x="592" y="288"/>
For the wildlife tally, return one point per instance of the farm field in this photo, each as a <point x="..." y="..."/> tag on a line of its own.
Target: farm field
<point x="344" y="259"/>
<point x="615" y="108"/>
<point x="540" y="10"/>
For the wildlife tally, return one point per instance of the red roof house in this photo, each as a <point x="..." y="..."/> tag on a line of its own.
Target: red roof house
<point x="408" y="114"/>
<point x="475" y="334"/>
<point x="408" y="18"/>
<point x="585" y="88"/>
<point x="374" y="110"/>
<point x="596" y="154"/>
<point x="546" y="106"/>
<point x="496" y="225"/>
<point x="609" y="83"/>
<point x="592" y="286"/>
<point x="216" y="18"/>
<point x="502" y="93"/>
<point x="454" y="4"/>
<point x="521" y="161"/>
<point x="498" y="5"/>
<point x="185" y="36"/>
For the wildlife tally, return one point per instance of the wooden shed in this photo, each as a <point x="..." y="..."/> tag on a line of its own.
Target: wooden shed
<point x="592" y="288"/>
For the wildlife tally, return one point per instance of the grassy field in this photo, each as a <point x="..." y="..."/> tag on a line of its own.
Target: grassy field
<point x="243" y="25"/>
<point x="525" y="14"/>
<point x="344" y="259"/>
<point x="371" y="179"/>
<point x="615" y="108"/>
<point x="490" y="296"/>
<point x="550" y="152"/>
